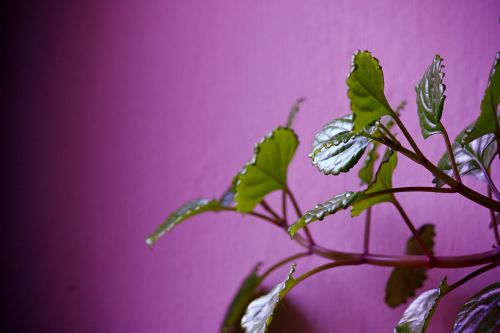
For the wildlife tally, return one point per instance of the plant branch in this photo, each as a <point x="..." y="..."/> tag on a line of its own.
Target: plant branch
<point x="327" y="266"/>
<point x="283" y="208"/>
<point x="283" y="262"/>
<point x="451" y="154"/>
<point x="491" y="184"/>
<point x="410" y="225"/>
<point x="473" y="275"/>
<point x="299" y="215"/>
<point x="494" y="225"/>
<point x="366" y="238"/>
<point x="407" y="135"/>
<point x="456" y="186"/>
<point x="268" y="209"/>
<point x="386" y="131"/>
<point x="393" y="260"/>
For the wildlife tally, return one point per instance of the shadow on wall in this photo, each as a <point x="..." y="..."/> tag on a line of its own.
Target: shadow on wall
<point x="288" y="318"/>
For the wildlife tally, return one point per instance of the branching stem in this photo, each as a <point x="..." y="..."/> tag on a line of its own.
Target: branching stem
<point x="494" y="225"/>
<point x="299" y="215"/>
<point x="366" y="238"/>
<point x="410" y="226"/>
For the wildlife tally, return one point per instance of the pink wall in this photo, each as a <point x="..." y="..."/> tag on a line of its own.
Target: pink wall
<point x="120" y="112"/>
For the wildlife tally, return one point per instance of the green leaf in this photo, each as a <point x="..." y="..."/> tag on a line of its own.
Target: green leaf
<point x="366" y="90"/>
<point x="481" y="314"/>
<point x="417" y="316"/>
<point x="337" y="149"/>
<point x="259" y="313"/>
<point x="366" y="171"/>
<point x="293" y="112"/>
<point x="470" y="158"/>
<point x="487" y="121"/>
<point x="190" y="209"/>
<point x="403" y="282"/>
<point x="246" y="293"/>
<point x="267" y="170"/>
<point x="340" y="201"/>
<point x="430" y="98"/>
<point x="383" y="181"/>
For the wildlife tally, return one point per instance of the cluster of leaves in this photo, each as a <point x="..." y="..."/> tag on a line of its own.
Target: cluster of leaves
<point x="336" y="149"/>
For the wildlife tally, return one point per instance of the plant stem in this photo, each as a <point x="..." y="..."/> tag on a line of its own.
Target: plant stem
<point x="451" y="154"/>
<point x="472" y="275"/>
<point x="283" y="262"/>
<point x="407" y="135"/>
<point x="410" y="225"/>
<point x="327" y="266"/>
<point x="457" y="187"/>
<point x="268" y="209"/>
<point x="386" y="131"/>
<point x="491" y="184"/>
<point x="366" y="240"/>
<point x="299" y="215"/>
<point x="494" y="225"/>
<point x="283" y="208"/>
<point x="390" y="260"/>
<point x="255" y="214"/>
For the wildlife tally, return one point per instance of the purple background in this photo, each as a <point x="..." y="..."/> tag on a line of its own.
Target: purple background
<point x="119" y="112"/>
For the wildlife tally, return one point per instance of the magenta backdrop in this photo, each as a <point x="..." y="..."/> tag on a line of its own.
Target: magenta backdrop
<point x="122" y="111"/>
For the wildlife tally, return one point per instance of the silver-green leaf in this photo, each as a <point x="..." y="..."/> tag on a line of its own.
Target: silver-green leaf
<point x="259" y="313"/>
<point x="417" y="316"/>
<point x="188" y="210"/>
<point x="481" y="314"/>
<point x="338" y="202"/>
<point x="336" y="148"/>
<point x="472" y="158"/>
<point x="430" y="98"/>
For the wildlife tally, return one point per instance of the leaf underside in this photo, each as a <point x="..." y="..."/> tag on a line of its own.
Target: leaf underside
<point x="188" y="210"/>
<point x="366" y="171"/>
<point x="430" y="98"/>
<point x="267" y="170"/>
<point x="383" y="181"/>
<point x="259" y="312"/>
<point x="480" y="314"/>
<point x="470" y="158"/>
<point x="403" y="282"/>
<point x="336" y="148"/>
<point x="366" y="90"/>
<point x="417" y="316"/>
<point x="487" y="121"/>
<point x="340" y="201"/>
<point x="243" y="297"/>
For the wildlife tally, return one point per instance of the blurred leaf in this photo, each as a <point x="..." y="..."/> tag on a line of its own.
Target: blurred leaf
<point x="470" y="157"/>
<point x="267" y="170"/>
<point x="485" y="123"/>
<point x="340" y="201"/>
<point x="403" y="281"/>
<point x="190" y="209"/>
<point x="417" y="316"/>
<point x="293" y="112"/>
<point x="337" y="149"/>
<point x="366" y="171"/>
<point x="383" y="181"/>
<point x="430" y="98"/>
<point x="481" y="314"/>
<point x="246" y="293"/>
<point x="259" y="313"/>
<point x="366" y="90"/>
